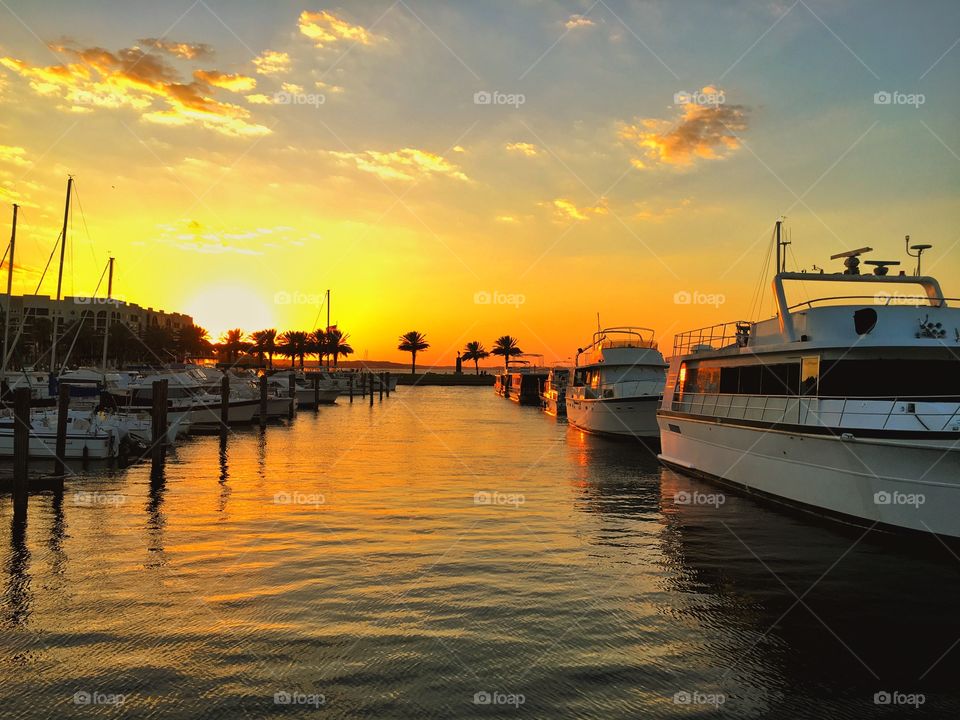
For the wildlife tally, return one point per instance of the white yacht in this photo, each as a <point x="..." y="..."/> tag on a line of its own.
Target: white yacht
<point x="554" y="393"/>
<point x="86" y="437"/>
<point x="847" y="406"/>
<point x="306" y="396"/>
<point x="618" y="384"/>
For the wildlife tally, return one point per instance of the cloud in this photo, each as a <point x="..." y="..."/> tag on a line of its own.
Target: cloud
<point x="506" y="219"/>
<point x="405" y="165"/>
<point x="578" y="21"/>
<point x="272" y="62"/>
<point x="133" y="79"/>
<point x="292" y="88"/>
<point x="14" y="155"/>
<point x="228" y="81"/>
<point x="321" y="85"/>
<point x="523" y="148"/>
<point x="702" y="132"/>
<point x="192" y="236"/>
<point x="187" y="51"/>
<point x="259" y="99"/>
<point x="325" y="28"/>
<point x="567" y="210"/>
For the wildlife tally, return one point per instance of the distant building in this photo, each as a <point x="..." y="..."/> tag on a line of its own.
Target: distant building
<point x="27" y="308"/>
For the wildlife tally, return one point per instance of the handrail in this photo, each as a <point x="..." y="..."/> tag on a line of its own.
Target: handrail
<point x="725" y="334"/>
<point x="923" y="299"/>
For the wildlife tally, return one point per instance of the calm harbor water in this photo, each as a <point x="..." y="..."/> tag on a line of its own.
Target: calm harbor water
<point x="450" y="554"/>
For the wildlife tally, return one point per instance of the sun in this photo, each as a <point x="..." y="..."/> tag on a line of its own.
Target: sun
<point x="220" y="307"/>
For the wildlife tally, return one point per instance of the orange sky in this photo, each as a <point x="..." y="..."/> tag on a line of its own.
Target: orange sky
<point x="239" y="161"/>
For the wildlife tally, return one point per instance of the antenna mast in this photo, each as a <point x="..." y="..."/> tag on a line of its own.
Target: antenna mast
<point x="6" y="319"/>
<point x="63" y="247"/>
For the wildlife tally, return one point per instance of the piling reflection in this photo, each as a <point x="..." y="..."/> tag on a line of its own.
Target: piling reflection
<point x="156" y="519"/>
<point x="19" y="593"/>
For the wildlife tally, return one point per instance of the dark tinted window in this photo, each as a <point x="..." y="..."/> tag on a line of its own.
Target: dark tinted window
<point x="890" y="378"/>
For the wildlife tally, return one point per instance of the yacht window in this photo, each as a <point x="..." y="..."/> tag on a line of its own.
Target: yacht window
<point x="809" y="375"/>
<point x="890" y="378"/>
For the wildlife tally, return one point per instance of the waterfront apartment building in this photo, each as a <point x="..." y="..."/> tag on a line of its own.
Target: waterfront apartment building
<point x="28" y="308"/>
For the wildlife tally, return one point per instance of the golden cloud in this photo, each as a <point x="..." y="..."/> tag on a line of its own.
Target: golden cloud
<point x="567" y="210"/>
<point x="187" y="51"/>
<point x="528" y="149"/>
<point x="272" y="62"/>
<point x="576" y="21"/>
<point x="228" y="81"/>
<point x="406" y="164"/>
<point x="14" y="155"/>
<point x="703" y="132"/>
<point x="131" y="78"/>
<point x="325" y="28"/>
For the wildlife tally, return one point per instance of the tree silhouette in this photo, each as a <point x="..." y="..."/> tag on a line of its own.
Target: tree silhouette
<point x="413" y="342"/>
<point x="476" y="352"/>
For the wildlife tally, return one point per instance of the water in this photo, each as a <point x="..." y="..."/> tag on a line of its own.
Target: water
<point x="348" y="561"/>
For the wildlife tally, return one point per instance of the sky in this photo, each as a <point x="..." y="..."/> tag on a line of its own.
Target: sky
<point x="471" y="169"/>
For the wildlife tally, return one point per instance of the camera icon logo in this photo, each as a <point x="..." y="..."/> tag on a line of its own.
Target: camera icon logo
<point x="482" y="297"/>
<point x="882" y="498"/>
<point x="482" y="97"/>
<point x="682" y="498"/>
<point x="81" y="697"/>
<point x="682" y="297"/>
<point x="882" y="98"/>
<point x="482" y="698"/>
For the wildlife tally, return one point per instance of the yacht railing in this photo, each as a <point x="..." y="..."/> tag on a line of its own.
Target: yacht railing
<point x="715" y="337"/>
<point x="882" y="298"/>
<point x="932" y="413"/>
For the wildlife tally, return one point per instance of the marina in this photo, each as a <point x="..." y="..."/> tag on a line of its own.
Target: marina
<point x="426" y="360"/>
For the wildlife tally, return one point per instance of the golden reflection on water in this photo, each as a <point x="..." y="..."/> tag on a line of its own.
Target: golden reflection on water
<point x="369" y="552"/>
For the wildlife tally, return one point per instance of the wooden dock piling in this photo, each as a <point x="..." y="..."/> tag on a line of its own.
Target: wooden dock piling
<point x="352" y="378"/>
<point x="292" y="390"/>
<point x="225" y="403"/>
<point x="21" y="443"/>
<point x="63" y="414"/>
<point x="388" y="382"/>
<point x="370" y="382"/>
<point x="316" y="392"/>
<point x="158" y="421"/>
<point x="263" y="400"/>
<point x="380" y="378"/>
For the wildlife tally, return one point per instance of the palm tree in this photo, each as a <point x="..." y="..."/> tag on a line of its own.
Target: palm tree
<point x="318" y="345"/>
<point x="337" y="344"/>
<point x="233" y="344"/>
<point x="507" y="347"/>
<point x="413" y="342"/>
<point x="265" y="343"/>
<point x="294" y="344"/>
<point x="476" y="352"/>
<point x="192" y="340"/>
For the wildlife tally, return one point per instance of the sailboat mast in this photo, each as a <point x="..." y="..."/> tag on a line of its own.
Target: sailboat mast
<point x="778" y="248"/>
<point x="106" y="327"/>
<point x="63" y="248"/>
<point x="6" y="319"/>
<point x="328" y="309"/>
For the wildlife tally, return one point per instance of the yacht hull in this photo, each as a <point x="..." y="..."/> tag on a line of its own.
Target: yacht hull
<point x="627" y="417"/>
<point x="904" y="483"/>
<point x="44" y="445"/>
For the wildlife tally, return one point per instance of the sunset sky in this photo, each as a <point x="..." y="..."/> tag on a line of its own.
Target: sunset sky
<point x="239" y="158"/>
